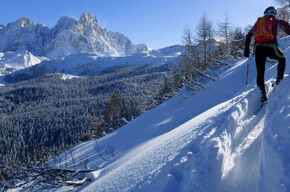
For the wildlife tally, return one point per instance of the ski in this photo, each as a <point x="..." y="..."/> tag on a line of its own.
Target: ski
<point x="263" y="103"/>
<point x="269" y="94"/>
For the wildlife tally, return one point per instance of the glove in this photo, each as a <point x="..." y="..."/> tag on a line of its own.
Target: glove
<point x="246" y="52"/>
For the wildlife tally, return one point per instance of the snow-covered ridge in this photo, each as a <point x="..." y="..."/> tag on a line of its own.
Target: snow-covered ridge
<point x="67" y="37"/>
<point x="81" y="64"/>
<point x="10" y="61"/>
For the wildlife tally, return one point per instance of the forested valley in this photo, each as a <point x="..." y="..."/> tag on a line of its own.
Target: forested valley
<point x="44" y="116"/>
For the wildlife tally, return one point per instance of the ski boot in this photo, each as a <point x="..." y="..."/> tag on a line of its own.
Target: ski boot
<point x="264" y="96"/>
<point x="279" y="78"/>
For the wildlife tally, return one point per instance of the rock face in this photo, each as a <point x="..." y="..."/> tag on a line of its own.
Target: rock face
<point x="68" y="36"/>
<point x="24" y="35"/>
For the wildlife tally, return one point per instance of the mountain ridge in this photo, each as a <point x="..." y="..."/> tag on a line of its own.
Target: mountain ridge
<point x="68" y="36"/>
<point x="79" y="64"/>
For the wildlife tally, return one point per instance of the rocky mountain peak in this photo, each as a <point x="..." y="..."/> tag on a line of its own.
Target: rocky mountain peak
<point x="88" y="18"/>
<point x="23" y="21"/>
<point x="88" y="21"/>
<point x="68" y="36"/>
<point x="64" y="23"/>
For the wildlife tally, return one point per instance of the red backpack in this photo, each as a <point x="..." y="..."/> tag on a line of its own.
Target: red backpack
<point x="263" y="30"/>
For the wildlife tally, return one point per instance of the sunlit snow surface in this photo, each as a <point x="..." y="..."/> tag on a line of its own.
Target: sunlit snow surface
<point x="218" y="139"/>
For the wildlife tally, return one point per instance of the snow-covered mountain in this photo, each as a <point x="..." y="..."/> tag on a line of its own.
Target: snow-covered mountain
<point x="80" y="64"/>
<point x="73" y="47"/>
<point x="67" y="37"/>
<point x="218" y="139"/>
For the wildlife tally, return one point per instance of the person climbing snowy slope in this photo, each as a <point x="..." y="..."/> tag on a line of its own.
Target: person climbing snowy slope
<point x="265" y="33"/>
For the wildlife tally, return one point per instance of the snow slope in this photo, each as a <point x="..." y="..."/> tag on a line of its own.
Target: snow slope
<point x="17" y="61"/>
<point x="218" y="139"/>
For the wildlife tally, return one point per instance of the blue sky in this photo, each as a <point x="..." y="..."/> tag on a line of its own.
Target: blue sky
<point x="157" y="23"/>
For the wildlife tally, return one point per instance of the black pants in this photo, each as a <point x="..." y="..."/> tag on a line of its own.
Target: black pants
<point x="261" y="54"/>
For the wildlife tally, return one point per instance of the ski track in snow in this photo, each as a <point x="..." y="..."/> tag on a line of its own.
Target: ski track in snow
<point x="213" y="141"/>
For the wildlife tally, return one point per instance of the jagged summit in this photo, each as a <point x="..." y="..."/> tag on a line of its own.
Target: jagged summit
<point x="23" y="21"/>
<point x="88" y="18"/>
<point x="24" y="35"/>
<point x="68" y="36"/>
<point x="64" y="23"/>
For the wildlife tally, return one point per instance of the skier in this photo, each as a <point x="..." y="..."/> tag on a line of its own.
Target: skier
<point x="265" y="30"/>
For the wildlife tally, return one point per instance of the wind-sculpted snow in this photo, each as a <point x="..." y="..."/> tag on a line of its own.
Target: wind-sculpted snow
<point x="275" y="154"/>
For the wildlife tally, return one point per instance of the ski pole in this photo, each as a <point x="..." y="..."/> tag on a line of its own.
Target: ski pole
<point x="248" y="63"/>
